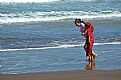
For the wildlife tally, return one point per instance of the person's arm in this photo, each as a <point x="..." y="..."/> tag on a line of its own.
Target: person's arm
<point x="83" y="33"/>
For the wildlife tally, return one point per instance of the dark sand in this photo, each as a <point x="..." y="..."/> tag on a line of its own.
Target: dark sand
<point x="67" y="75"/>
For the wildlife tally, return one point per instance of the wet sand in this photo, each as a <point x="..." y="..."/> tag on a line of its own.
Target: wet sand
<point x="67" y="75"/>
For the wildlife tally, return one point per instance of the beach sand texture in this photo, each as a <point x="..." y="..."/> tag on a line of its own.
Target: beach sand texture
<point x="67" y="75"/>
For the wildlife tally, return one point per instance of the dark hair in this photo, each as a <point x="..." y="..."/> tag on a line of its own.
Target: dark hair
<point x="79" y="20"/>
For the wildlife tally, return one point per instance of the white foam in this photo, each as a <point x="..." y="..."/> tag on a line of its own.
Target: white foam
<point x="111" y="43"/>
<point x="61" y="46"/>
<point x="8" y="73"/>
<point x="56" y="15"/>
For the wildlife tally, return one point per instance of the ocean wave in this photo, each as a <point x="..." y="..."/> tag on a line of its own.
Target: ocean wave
<point x="60" y="46"/>
<point x="56" y="15"/>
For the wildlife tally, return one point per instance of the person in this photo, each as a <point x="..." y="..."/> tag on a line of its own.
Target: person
<point x="90" y="41"/>
<point x="87" y="30"/>
<point x="80" y="23"/>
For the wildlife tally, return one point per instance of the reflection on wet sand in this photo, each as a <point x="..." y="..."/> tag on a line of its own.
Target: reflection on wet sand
<point x="91" y="65"/>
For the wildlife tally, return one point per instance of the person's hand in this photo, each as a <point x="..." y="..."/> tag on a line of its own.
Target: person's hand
<point x="83" y="34"/>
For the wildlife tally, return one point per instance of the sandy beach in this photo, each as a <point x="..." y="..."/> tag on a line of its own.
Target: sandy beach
<point x="67" y="75"/>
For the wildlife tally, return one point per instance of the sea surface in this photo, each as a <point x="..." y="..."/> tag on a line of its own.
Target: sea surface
<point x="40" y="36"/>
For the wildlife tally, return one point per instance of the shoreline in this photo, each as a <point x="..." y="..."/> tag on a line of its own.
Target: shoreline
<point x="67" y="75"/>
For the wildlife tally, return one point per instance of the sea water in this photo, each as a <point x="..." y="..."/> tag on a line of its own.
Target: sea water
<point x="37" y="36"/>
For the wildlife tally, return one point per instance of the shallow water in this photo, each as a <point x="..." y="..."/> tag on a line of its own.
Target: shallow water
<point x="57" y="47"/>
<point x="60" y="59"/>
